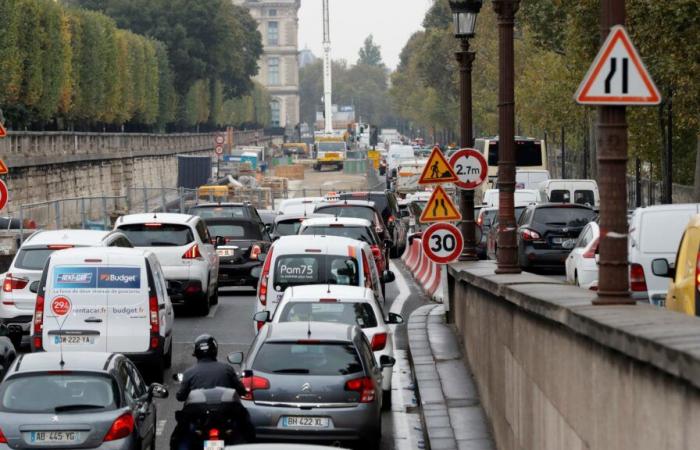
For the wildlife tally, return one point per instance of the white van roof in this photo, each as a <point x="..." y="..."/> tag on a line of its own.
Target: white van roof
<point x="72" y="255"/>
<point x="155" y="218"/>
<point x="330" y="220"/>
<point x="328" y="245"/>
<point x="72" y="237"/>
<point x="314" y="292"/>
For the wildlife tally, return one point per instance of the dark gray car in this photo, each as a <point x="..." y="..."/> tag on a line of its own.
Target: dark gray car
<point x="314" y="381"/>
<point x="92" y="400"/>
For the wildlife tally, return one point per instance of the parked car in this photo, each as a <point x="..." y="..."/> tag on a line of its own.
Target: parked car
<point x="225" y="209"/>
<point x="655" y="232"/>
<point x="314" y="381"/>
<point x="490" y="236"/>
<point x="8" y="353"/>
<point x="186" y="252"/>
<point x="289" y="224"/>
<point x="107" y="300"/>
<point x="244" y="240"/>
<point x="388" y="207"/>
<point x="350" y="305"/>
<point x="580" y="192"/>
<point x="78" y="400"/>
<point x="581" y="264"/>
<point x="17" y="299"/>
<point x="543" y="228"/>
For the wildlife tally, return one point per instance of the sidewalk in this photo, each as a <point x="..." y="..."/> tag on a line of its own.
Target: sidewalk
<point x="452" y="413"/>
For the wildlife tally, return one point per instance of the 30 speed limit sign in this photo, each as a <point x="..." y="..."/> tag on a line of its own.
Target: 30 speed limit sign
<point x="442" y="242"/>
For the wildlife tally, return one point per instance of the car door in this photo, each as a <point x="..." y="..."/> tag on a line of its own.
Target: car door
<point x="145" y="409"/>
<point x="682" y="295"/>
<point x="165" y="306"/>
<point x="573" y="261"/>
<point x="125" y="283"/>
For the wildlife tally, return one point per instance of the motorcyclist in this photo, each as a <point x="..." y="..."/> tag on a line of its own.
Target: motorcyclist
<point x="209" y="373"/>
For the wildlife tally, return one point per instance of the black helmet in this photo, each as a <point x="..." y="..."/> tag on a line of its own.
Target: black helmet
<point x="205" y="346"/>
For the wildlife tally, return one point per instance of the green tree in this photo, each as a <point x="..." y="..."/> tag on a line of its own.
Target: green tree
<point x="370" y="53"/>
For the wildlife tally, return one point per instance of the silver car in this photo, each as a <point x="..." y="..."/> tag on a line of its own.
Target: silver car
<point x="88" y="400"/>
<point x="314" y="381"/>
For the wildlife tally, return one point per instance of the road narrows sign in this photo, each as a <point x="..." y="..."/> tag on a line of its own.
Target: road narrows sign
<point x="471" y="168"/>
<point x="617" y="75"/>
<point x="442" y="243"/>
<point x="3" y="194"/>
<point x="437" y="169"/>
<point x="440" y="207"/>
<point x="3" y="131"/>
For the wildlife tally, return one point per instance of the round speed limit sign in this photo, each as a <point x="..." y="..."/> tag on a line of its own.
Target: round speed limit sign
<point x="442" y="242"/>
<point x="471" y="168"/>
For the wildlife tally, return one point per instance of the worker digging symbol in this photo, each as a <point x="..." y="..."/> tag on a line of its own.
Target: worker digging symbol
<point x="435" y="171"/>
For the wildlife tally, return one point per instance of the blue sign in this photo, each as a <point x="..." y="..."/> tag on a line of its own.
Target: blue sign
<point x="75" y="277"/>
<point x="119" y="278"/>
<point x="97" y="277"/>
<point x="231" y="158"/>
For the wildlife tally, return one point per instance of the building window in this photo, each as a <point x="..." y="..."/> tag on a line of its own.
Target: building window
<point x="273" y="71"/>
<point x="273" y="34"/>
<point x="275" y="113"/>
<point x="272" y="12"/>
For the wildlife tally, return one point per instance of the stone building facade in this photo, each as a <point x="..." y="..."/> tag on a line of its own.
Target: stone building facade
<point x="279" y="65"/>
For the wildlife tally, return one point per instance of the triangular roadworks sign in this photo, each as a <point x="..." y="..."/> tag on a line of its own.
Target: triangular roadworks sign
<point x="3" y="167"/>
<point x="617" y="75"/>
<point x="3" y="131"/>
<point x="437" y="169"/>
<point x="440" y="208"/>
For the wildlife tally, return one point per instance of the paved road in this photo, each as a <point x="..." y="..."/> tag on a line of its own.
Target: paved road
<point x="230" y="322"/>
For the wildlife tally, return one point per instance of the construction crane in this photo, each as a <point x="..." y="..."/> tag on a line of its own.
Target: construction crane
<point x="327" y="88"/>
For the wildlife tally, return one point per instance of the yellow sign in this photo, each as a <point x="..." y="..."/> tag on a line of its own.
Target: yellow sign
<point x="3" y="131"/>
<point x="3" y="167"/>
<point x="373" y="156"/>
<point x="437" y="169"/>
<point x="439" y="208"/>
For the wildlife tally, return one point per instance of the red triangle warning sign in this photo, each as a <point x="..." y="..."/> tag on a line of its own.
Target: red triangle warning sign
<point x="617" y="75"/>
<point x="437" y="169"/>
<point x="3" y="168"/>
<point x="3" y="131"/>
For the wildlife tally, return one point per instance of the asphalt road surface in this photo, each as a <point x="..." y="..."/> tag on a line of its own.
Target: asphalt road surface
<point x="230" y="322"/>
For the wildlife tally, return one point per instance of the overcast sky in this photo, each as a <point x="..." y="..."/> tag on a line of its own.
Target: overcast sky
<point x="391" y="22"/>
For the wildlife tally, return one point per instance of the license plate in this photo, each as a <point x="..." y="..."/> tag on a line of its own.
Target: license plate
<point x="224" y="252"/>
<point x="73" y="340"/>
<point x="214" y="445"/>
<point x="305" y="422"/>
<point x="50" y="437"/>
<point x="557" y="240"/>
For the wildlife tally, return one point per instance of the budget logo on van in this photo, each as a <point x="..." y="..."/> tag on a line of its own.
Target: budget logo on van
<point x="75" y="277"/>
<point x="119" y="278"/>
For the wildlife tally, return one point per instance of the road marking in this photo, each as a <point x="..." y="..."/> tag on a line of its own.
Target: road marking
<point x="404" y="293"/>
<point x="212" y="311"/>
<point x="160" y="427"/>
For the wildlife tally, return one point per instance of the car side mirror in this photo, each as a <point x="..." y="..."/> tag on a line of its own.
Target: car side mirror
<point x="235" y="358"/>
<point x="388" y="276"/>
<point x="219" y="240"/>
<point x="34" y="287"/>
<point x="661" y="268"/>
<point x="395" y="319"/>
<point x="386" y="361"/>
<point x="157" y="390"/>
<point x="568" y="244"/>
<point x="262" y="316"/>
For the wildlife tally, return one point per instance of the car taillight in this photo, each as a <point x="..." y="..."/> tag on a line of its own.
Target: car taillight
<point x="637" y="281"/>
<point x="192" y="253"/>
<point x="364" y="386"/>
<point x="480" y="220"/>
<point x="697" y="277"/>
<point x="253" y="384"/>
<point x="214" y="434"/>
<point x="365" y="270"/>
<point x="255" y="252"/>
<point x="262" y="291"/>
<point x="376" y="252"/>
<point x="590" y="253"/>
<point x="121" y="428"/>
<point x="3" y="439"/>
<point x="530" y="235"/>
<point x="39" y="315"/>
<point x="11" y="283"/>
<point x="378" y="341"/>
<point x="153" y="310"/>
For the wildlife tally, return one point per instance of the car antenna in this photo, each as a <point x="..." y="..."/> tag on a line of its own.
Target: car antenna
<point x="328" y="291"/>
<point x="308" y="330"/>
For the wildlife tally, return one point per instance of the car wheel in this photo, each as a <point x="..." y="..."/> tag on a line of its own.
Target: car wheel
<point x="168" y="357"/>
<point x="204" y="305"/>
<point x="386" y="400"/>
<point x="157" y="371"/>
<point x="215" y="297"/>
<point x="374" y="442"/>
<point x="576" y="283"/>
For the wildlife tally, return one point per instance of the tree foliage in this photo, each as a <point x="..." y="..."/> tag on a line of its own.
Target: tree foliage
<point x="370" y="53"/>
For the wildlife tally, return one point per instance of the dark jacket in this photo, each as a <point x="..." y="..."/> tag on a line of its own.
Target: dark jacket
<point x="207" y="374"/>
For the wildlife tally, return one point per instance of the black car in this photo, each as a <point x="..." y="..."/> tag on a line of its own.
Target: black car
<point x="490" y="232"/>
<point x="227" y="209"/>
<point x="243" y="241"/>
<point x="385" y="202"/>
<point x="542" y="229"/>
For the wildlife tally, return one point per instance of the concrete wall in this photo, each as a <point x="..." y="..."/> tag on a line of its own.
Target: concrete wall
<point x="555" y="372"/>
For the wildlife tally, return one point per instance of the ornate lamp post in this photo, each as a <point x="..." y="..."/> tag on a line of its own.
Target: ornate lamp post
<point x="464" y="13"/>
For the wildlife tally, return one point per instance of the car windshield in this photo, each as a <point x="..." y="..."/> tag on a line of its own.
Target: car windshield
<point x="208" y="212"/>
<point x="527" y="153"/>
<point x="287" y="227"/>
<point x="33" y="258"/>
<point x="295" y="270"/>
<point x="360" y="212"/>
<point x="52" y="393"/>
<point x="573" y="217"/>
<point x="235" y="231"/>
<point x="360" y="314"/>
<point x="310" y="359"/>
<point x="158" y="234"/>
<point x="357" y="233"/>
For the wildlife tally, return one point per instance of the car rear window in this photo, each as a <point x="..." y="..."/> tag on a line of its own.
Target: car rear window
<point x="584" y="197"/>
<point x="234" y="231"/>
<point x="308" y="358"/>
<point x="54" y="393"/>
<point x="527" y="153"/>
<point x="158" y="234"/>
<point x="357" y="233"/>
<point x="380" y="201"/>
<point x="360" y="314"/>
<point x="209" y="212"/>
<point x="360" y="212"/>
<point x="295" y="270"/>
<point x="33" y="258"/>
<point x="287" y="227"/>
<point x="573" y="217"/>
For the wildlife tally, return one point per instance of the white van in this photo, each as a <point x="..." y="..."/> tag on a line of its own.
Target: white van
<point x="396" y="154"/>
<point x="105" y="300"/>
<point x="300" y="260"/>
<point x="523" y="197"/>
<point x="582" y="192"/>
<point x="655" y="232"/>
<point x="530" y="178"/>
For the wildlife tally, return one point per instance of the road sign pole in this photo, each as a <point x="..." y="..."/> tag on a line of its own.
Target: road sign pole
<point x="613" y="285"/>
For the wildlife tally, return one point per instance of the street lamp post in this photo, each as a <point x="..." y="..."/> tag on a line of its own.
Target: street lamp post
<point x="464" y="13"/>
<point x="507" y="256"/>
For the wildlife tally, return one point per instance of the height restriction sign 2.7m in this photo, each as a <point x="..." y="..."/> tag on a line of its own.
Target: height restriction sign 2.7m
<point x="471" y="168"/>
<point x="442" y="242"/>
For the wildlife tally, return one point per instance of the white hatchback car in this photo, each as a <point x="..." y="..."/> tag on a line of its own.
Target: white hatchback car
<point x="581" y="264"/>
<point x="299" y="205"/>
<point x="351" y="305"/>
<point x="185" y="251"/>
<point x="17" y="299"/>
